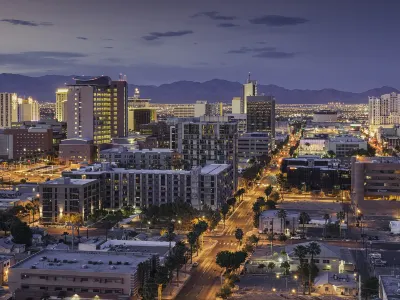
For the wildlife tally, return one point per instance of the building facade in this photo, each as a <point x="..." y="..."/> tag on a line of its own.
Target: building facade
<point x="344" y="145"/>
<point x="65" y="196"/>
<point x="97" y="109"/>
<point x="253" y="145"/>
<point x="325" y="116"/>
<point x="6" y="100"/>
<point x="140" y="116"/>
<point x="249" y="89"/>
<point x="383" y="111"/>
<point x="183" y="111"/>
<point x="25" y="110"/>
<point x="61" y="104"/>
<point x="261" y="114"/>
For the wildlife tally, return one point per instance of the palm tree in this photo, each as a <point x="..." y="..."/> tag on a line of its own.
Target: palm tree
<point x="301" y="252"/>
<point x="326" y="218"/>
<point x="192" y="239"/>
<point x="304" y="218"/>
<point x="313" y="249"/>
<point x="268" y="191"/>
<point x="65" y="236"/>
<point x="224" y="211"/>
<point x="282" y="215"/>
<point x="340" y="216"/>
<point x="271" y="266"/>
<point x="239" y="235"/>
<point x="170" y="233"/>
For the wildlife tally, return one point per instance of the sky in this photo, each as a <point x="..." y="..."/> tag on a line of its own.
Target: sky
<point x="351" y="45"/>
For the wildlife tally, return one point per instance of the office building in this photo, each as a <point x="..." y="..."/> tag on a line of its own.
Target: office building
<point x="261" y="114"/>
<point x="203" y="108"/>
<point x="159" y="130"/>
<point x="25" y="143"/>
<point x="140" y="116"/>
<point x="253" y="145"/>
<point x="159" y="159"/>
<point x="6" y="100"/>
<point x="375" y="181"/>
<point x="313" y="146"/>
<point x="271" y="223"/>
<point x="236" y="103"/>
<point x="81" y="274"/>
<point x="77" y="150"/>
<point x="345" y="145"/>
<point x="210" y="140"/>
<point x="183" y="111"/>
<point x="383" y="111"/>
<point x="65" y="196"/>
<point x="140" y="188"/>
<point x="389" y="137"/>
<point x="325" y="116"/>
<point x="97" y="109"/>
<point x="61" y="104"/>
<point x="25" y="110"/>
<point x="200" y="108"/>
<point x="240" y="119"/>
<point x="136" y="102"/>
<point x="249" y="89"/>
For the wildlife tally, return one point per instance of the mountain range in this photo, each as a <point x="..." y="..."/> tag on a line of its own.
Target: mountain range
<point x="43" y="89"/>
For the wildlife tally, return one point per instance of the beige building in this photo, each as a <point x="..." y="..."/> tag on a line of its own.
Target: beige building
<point x="6" y="100"/>
<point x="25" y="110"/>
<point x="184" y="111"/>
<point x="61" y="104"/>
<point x="82" y="274"/>
<point x="140" y="116"/>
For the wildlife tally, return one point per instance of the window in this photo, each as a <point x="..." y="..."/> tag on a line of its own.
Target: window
<point x="326" y="261"/>
<point x="327" y="289"/>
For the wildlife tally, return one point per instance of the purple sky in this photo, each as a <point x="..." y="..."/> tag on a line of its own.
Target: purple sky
<point x="309" y="44"/>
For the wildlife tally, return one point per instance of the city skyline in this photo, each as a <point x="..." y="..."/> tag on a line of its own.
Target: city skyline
<point x="155" y="43"/>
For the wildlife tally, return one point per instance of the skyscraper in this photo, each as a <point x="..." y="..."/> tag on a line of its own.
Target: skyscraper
<point x="6" y="109"/>
<point x="140" y="116"/>
<point x="249" y="89"/>
<point x="384" y="111"/>
<point x="261" y="114"/>
<point x="97" y="109"/>
<point x="61" y="104"/>
<point x="25" y="110"/>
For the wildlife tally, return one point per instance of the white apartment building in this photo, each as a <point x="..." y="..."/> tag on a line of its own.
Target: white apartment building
<point x="384" y="111"/>
<point x="344" y="145"/>
<point x="61" y="104"/>
<point x="81" y="274"/>
<point x="6" y="100"/>
<point x="65" y="196"/>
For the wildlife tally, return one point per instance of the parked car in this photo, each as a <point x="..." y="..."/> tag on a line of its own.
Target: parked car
<point x="379" y="263"/>
<point x="295" y="237"/>
<point x="375" y="255"/>
<point x="195" y="264"/>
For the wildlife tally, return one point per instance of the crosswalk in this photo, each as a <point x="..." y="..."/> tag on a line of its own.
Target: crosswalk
<point x="227" y="244"/>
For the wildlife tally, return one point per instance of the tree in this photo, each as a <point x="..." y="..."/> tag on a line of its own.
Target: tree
<point x="282" y="215"/>
<point x="224" y="259"/>
<point x="313" y="249"/>
<point x="326" y="218"/>
<point x="178" y="257"/>
<point x="239" y="235"/>
<point x="149" y="290"/>
<point x="286" y="266"/>
<point x="29" y="207"/>
<point x="331" y="154"/>
<point x="275" y="197"/>
<point x="248" y="248"/>
<point x="254" y="239"/>
<point x="304" y="219"/>
<point x="225" y="292"/>
<point x="271" y="266"/>
<point x="65" y="236"/>
<point x="301" y="252"/>
<point x="370" y="287"/>
<point x="161" y="277"/>
<point x="170" y="233"/>
<point x="340" y="216"/>
<point x="224" y="211"/>
<point x="239" y="257"/>
<point x="21" y="233"/>
<point x="271" y="204"/>
<point x="256" y="220"/>
<point x="192" y="239"/>
<point x="268" y="191"/>
<point x="231" y="202"/>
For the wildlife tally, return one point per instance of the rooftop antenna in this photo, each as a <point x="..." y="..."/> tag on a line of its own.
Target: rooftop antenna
<point x="248" y="80"/>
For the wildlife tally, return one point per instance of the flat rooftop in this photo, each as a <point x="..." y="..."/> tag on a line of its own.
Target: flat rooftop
<point x="213" y="169"/>
<point x="391" y="285"/>
<point x="62" y="181"/>
<point x="154" y="150"/>
<point x="274" y="213"/>
<point x="83" y="261"/>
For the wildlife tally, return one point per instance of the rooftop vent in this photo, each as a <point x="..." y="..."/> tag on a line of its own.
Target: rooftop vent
<point x="84" y="267"/>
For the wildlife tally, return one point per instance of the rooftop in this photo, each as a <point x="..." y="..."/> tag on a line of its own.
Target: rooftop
<point x="83" y="261"/>
<point x="125" y="150"/>
<point x="391" y="285"/>
<point x="214" y="169"/>
<point x="273" y="213"/>
<point x="67" y="180"/>
<point x="339" y="280"/>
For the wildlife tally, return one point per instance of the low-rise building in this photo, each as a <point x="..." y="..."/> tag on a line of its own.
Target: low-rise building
<point x="334" y="284"/>
<point x="82" y="274"/>
<point x="389" y="287"/>
<point x="344" y="145"/>
<point x="313" y="146"/>
<point x="65" y="196"/>
<point x="76" y="150"/>
<point x="9" y="247"/>
<point x="270" y="222"/>
<point x="6" y="261"/>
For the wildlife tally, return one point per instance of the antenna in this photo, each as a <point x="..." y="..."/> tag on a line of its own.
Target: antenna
<point x="248" y="80"/>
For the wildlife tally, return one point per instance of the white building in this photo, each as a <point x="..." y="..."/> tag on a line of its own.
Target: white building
<point x="343" y="145"/>
<point x="254" y="145"/>
<point x="61" y="104"/>
<point x="236" y="103"/>
<point x="383" y="111"/>
<point x="6" y="100"/>
<point x="25" y="110"/>
<point x="183" y="111"/>
<point x="271" y="223"/>
<point x="249" y="89"/>
<point x="313" y="146"/>
<point x="200" y="108"/>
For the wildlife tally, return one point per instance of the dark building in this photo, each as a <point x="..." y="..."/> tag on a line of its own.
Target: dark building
<point x="119" y="108"/>
<point x="158" y="130"/>
<point x="261" y="114"/>
<point x="140" y="116"/>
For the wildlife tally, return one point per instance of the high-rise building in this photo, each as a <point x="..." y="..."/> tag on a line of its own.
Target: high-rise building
<point x="261" y="114"/>
<point x="61" y="104"/>
<point x="6" y="109"/>
<point x="97" y="109"/>
<point x="200" y="108"/>
<point x="384" y="111"/>
<point x="140" y="116"/>
<point x="203" y="108"/>
<point x="249" y="89"/>
<point x="236" y="103"/>
<point x="135" y="101"/>
<point x="183" y="111"/>
<point x="208" y="141"/>
<point x="25" y="110"/>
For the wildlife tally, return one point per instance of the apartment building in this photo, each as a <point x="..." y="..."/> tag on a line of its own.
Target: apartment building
<point x="162" y="159"/>
<point x="6" y="100"/>
<point x="65" y="196"/>
<point x="253" y="145"/>
<point x="344" y="145"/>
<point x="384" y="111"/>
<point x="61" y="104"/>
<point x="25" y="110"/>
<point x="81" y="274"/>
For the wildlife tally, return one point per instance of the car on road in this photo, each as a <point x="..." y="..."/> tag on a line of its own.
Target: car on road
<point x="295" y="237"/>
<point x="195" y="264"/>
<point x="379" y="263"/>
<point x="375" y="255"/>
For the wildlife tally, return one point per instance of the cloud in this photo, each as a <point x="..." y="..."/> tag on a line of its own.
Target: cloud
<point x="275" y="54"/>
<point x="263" y="52"/>
<point x="40" y="58"/>
<point x="157" y="35"/>
<point x="107" y="39"/>
<point x="108" y="47"/>
<point x="277" y="21"/>
<point x="26" y="23"/>
<point x="82" y="38"/>
<point x="227" y="25"/>
<point x="213" y="15"/>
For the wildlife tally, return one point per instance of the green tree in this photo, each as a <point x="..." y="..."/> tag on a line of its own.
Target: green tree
<point x="162" y="275"/>
<point x="248" y="248"/>
<point x="224" y="259"/>
<point x="271" y="266"/>
<point x="326" y="218"/>
<point x="286" y="267"/>
<point x="170" y="233"/>
<point x="256" y="220"/>
<point x="179" y="257"/>
<point x="231" y="202"/>
<point x="370" y="287"/>
<point x="301" y="252"/>
<point x="239" y="235"/>
<point x="313" y="249"/>
<point x="225" y="292"/>
<point x="254" y="239"/>
<point x="192" y="240"/>
<point x="271" y="204"/>
<point x="282" y="215"/>
<point x="239" y="257"/>
<point x="21" y="233"/>
<point x="304" y="219"/>
<point x="268" y="191"/>
<point x="65" y="236"/>
<point x="149" y="290"/>
<point x="275" y="197"/>
<point x="224" y="211"/>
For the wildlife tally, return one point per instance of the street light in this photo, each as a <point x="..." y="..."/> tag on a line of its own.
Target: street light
<point x="293" y="291"/>
<point x="295" y="277"/>
<point x="274" y="289"/>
